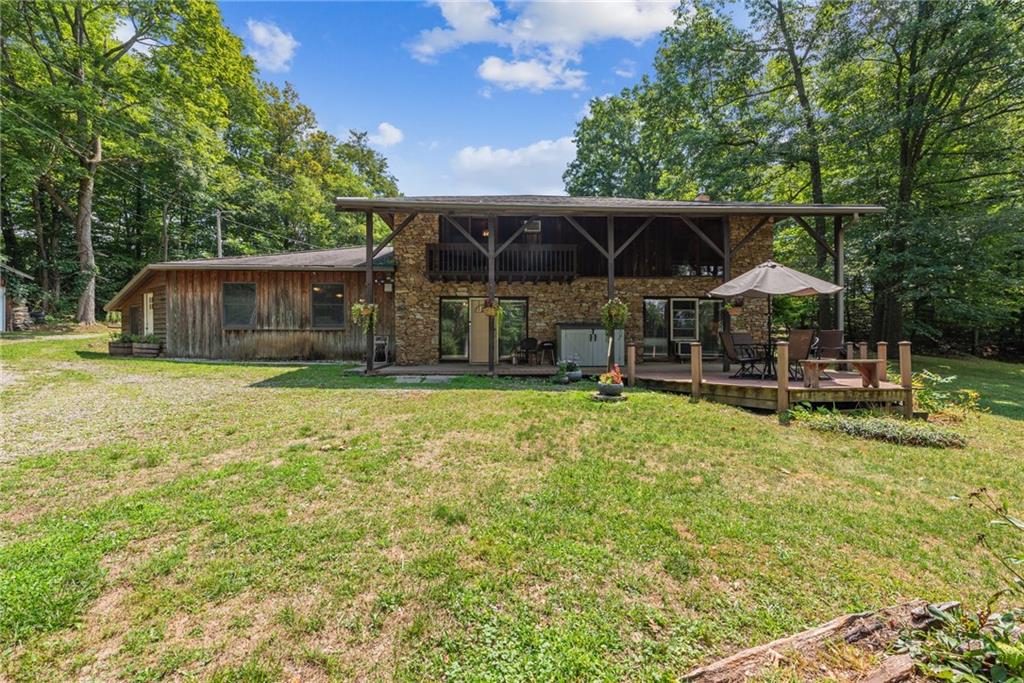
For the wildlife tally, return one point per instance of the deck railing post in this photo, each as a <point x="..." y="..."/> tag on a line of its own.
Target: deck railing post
<point x="906" y="380"/>
<point x="696" y="370"/>
<point x="782" y="373"/>
<point x="631" y="363"/>
<point x="883" y="360"/>
<point x="849" y="355"/>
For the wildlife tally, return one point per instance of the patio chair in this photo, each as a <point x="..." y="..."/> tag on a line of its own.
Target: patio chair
<point x="830" y="344"/>
<point x="381" y="348"/>
<point x="524" y="348"/>
<point x="800" y="343"/>
<point x="739" y="348"/>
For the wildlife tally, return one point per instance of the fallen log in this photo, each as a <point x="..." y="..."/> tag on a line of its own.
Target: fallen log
<point x="893" y="669"/>
<point x="873" y="630"/>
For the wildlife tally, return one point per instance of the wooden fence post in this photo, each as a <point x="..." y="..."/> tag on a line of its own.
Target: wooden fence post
<point x="906" y="380"/>
<point x="631" y="363"/>
<point x="883" y="360"/>
<point x="696" y="370"/>
<point x="862" y="350"/>
<point x="782" y="373"/>
<point x="849" y="354"/>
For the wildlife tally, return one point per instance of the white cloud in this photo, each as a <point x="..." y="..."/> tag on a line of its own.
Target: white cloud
<point x="548" y="33"/>
<point x="626" y="68"/>
<point x="271" y="47"/>
<point x="530" y="74"/>
<point x="534" y="169"/>
<point x="387" y="135"/>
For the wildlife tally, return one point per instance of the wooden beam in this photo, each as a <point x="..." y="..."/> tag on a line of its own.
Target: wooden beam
<point x="813" y="233"/>
<point x="726" y="276"/>
<point x="394" y="231"/>
<point x="465" y="233"/>
<point x="839" y="272"/>
<point x="369" y="287"/>
<point x="643" y="226"/>
<point x="610" y="256"/>
<point x="510" y="240"/>
<point x="700" y="233"/>
<point x="492" y="290"/>
<point x="579" y="229"/>
<point x="753" y="231"/>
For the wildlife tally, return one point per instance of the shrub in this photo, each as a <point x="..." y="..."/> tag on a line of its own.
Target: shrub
<point x="933" y="394"/>
<point x="882" y="429"/>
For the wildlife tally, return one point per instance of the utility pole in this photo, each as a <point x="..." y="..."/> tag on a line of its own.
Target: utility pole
<point x="220" y="245"/>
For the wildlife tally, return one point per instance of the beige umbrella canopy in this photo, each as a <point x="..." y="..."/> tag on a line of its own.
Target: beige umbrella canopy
<point x="773" y="279"/>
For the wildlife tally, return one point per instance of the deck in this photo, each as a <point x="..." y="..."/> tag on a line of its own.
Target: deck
<point x="843" y="388"/>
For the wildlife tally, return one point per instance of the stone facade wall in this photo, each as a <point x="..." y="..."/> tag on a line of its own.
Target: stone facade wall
<point x="417" y="309"/>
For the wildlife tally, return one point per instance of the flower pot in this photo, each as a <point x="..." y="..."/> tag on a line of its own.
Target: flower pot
<point x="119" y="348"/>
<point x="560" y="379"/>
<point x="490" y="311"/>
<point x="145" y="350"/>
<point x="574" y="375"/>
<point x="609" y="389"/>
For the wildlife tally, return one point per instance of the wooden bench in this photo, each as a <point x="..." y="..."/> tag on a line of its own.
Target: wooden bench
<point x="867" y="367"/>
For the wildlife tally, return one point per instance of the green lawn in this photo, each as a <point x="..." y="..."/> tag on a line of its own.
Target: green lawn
<point x="261" y="522"/>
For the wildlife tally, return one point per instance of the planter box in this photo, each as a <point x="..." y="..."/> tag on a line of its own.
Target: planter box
<point x="119" y="348"/>
<point x="146" y="350"/>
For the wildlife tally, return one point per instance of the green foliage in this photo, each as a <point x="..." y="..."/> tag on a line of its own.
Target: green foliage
<point x="934" y="393"/>
<point x="888" y="429"/>
<point x="186" y="128"/>
<point x="364" y="315"/>
<point x="452" y="516"/>
<point x="970" y="648"/>
<point x="614" y="315"/>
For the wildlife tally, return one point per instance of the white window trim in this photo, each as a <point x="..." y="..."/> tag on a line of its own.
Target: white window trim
<point x="147" y="313"/>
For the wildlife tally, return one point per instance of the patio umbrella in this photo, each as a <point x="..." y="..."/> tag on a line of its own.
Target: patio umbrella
<point x="773" y="279"/>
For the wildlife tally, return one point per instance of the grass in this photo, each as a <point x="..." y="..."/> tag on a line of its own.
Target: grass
<point x="237" y="522"/>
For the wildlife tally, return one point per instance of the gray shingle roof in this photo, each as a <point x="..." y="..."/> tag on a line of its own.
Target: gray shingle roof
<point x="560" y="205"/>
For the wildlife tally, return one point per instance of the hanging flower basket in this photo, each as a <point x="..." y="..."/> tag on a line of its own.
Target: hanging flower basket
<point x="491" y="308"/>
<point x="364" y="315"/>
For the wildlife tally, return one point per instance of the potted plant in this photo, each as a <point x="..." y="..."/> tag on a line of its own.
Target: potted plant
<point x="147" y="347"/>
<point x="610" y="383"/>
<point x="560" y="377"/>
<point x="614" y="315"/>
<point x="571" y="368"/>
<point x="364" y="315"/>
<point x="120" y="344"/>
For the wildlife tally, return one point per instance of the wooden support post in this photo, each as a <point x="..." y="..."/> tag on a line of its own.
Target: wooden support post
<point x="369" y="287"/>
<point x="883" y="360"/>
<point x="696" y="370"/>
<point x="906" y="380"/>
<point x="726" y="276"/>
<point x="782" y="373"/>
<point x="839" y="272"/>
<point x="610" y="248"/>
<point x="492" y="292"/>
<point x="862" y="349"/>
<point x="631" y="363"/>
<point x="849" y="355"/>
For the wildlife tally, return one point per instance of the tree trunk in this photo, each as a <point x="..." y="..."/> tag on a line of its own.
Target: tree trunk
<point x="86" y="314"/>
<point x="43" y="271"/>
<point x="10" y="238"/>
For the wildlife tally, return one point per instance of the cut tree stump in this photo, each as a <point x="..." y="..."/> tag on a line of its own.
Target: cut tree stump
<point x="873" y="630"/>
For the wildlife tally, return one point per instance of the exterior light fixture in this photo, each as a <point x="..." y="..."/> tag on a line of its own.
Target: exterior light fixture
<point x="487" y="231"/>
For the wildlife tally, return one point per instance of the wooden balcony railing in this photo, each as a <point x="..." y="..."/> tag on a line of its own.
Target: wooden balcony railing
<point x="518" y="263"/>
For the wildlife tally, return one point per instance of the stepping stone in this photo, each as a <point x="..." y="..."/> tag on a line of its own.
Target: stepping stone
<point x="438" y="379"/>
<point x="408" y="379"/>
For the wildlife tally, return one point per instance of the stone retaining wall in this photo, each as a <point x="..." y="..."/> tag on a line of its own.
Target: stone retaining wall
<point x="417" y="309"/>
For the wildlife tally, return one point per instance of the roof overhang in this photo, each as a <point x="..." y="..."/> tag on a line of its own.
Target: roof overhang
<point x="598" y="206"/>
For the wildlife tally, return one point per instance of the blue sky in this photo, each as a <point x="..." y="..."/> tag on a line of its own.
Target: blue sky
<point x="462" y="97"/>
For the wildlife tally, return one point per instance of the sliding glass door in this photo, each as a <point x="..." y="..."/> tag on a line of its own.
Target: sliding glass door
<point x="463" y="329"/>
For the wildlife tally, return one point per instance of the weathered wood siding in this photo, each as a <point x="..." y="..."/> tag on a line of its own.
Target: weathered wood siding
<point x="283" y="328"/>
<point x="132" y="308"/>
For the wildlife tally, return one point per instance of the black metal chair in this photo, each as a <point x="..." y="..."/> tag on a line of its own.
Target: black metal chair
<point x="830" y="344"/>
<point x="525" y="347"/>
<point x="740" y="348"/>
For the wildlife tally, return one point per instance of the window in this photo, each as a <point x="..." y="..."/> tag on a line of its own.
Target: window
<point x="455" y="328"/>
<point x="328" y="305"/>
<point x="239" y="304"/>
<point x="513" y="326"/>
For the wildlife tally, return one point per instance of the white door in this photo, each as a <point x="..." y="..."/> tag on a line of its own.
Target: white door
<point x="147" y="313"/>
<point x="479" y="332"/>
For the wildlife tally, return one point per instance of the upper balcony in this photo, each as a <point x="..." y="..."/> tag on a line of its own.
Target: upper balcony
<point x="517" y="263"/>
